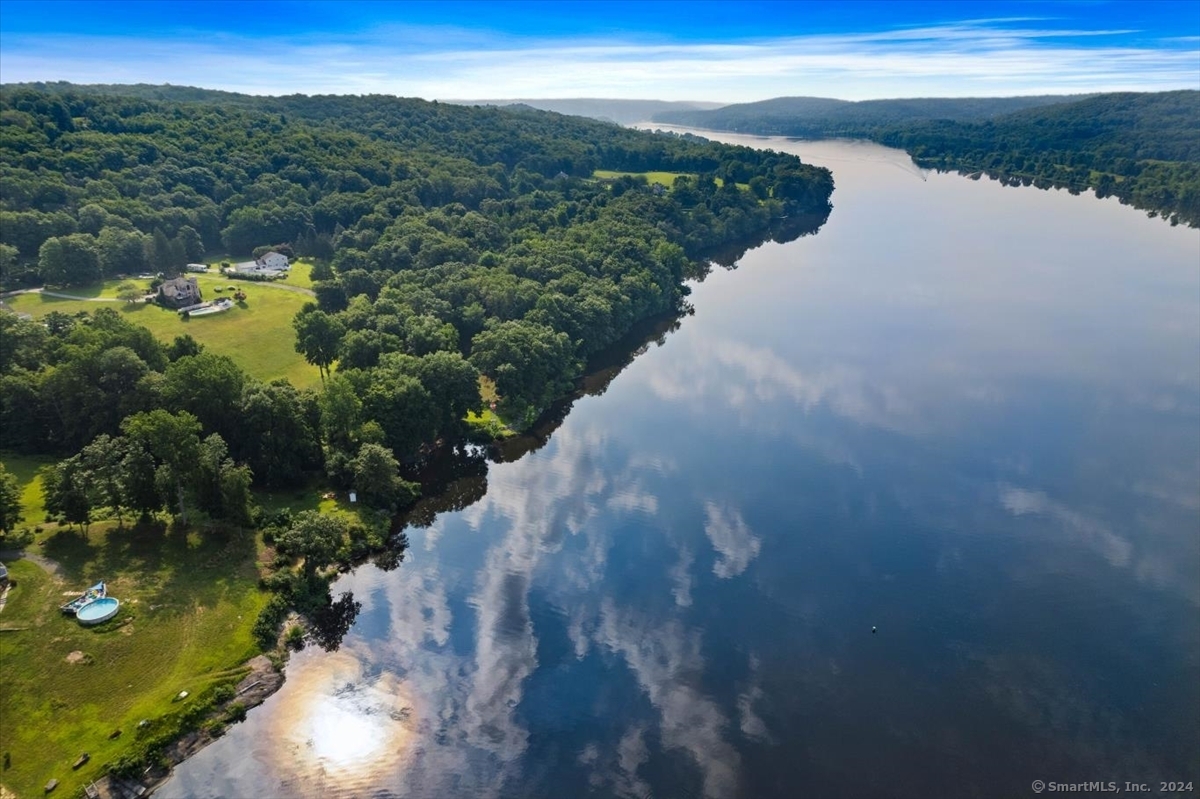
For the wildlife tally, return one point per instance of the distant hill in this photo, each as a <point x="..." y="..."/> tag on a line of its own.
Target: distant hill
<point x="623" y="112"/>
<point x="821" y="116"/>
<point x="143" y="91"/>
<point x="1142" y="148"/>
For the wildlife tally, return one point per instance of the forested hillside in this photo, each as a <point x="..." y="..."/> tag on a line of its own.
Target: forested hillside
<point x="806" y="117"/>
<point x="623" y="112"/>
<point x="1140" y="148"/>
<point x="450" y="242"/>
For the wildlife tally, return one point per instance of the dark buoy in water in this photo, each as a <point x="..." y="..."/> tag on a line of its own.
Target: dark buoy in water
<point x="873" y="629"/>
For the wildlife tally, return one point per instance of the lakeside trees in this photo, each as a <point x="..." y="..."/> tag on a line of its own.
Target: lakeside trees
<point x="460" y="243"/>
<point x="1139" y="147"/>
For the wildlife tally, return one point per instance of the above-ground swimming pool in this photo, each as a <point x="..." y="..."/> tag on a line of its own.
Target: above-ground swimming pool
<point x="98" y="610"/>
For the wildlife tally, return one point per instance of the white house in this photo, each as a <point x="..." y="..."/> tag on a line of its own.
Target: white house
<point x="271" y="263"/>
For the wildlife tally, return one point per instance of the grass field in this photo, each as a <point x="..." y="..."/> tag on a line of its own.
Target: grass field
<point x="299" y="275"/>
<point x="33" y="504"/>
<point x="188" y="603"/>
<point x="664" y="178"/>
<point x="258" y="335"/>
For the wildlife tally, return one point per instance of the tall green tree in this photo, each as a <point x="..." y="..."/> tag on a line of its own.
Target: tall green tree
<point x="377" y="479"/>
<point x="69" y="491"/>
<point x="531" y="364"/>
<point x="222" y="487"/>
<point x="69" y="260"/>
<point x="279" y="438"/>
<point x="174" y="442"/>
<point x="208" y="386"/>
<point x="104" y="460"/>
<point x="121" y="251"/>
<point x="10" y="501"/>
<point x="314" y="536"/>
<point x="341" y="413"/>
<point x="318" y="337"/>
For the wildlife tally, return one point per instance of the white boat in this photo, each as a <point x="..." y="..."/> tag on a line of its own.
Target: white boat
<point x="97" y="591"/>
<point x="207" y="308"/>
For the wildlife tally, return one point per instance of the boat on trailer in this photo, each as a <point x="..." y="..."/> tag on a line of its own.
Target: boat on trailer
<point x="207" y="308"/>
<point x="97" y="591"/>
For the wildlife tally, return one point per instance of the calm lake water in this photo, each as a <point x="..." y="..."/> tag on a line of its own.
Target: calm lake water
<point x="965" y="414"/>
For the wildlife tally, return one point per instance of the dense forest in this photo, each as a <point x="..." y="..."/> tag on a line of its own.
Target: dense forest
<point x="1140" y="148"/>
<point x="450" y="242"/>
<point x="808" y="117"/>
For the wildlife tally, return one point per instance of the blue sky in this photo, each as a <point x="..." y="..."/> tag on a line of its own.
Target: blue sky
<point x="717" y="51"/>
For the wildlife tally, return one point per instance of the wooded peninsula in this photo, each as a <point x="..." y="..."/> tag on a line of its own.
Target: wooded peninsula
<point x="1141" y="148"/>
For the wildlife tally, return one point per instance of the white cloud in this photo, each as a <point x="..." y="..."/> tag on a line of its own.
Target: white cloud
<point x="1084" y="529"/>
<point x="731" y="537"/>
<point x="983" y="57"/>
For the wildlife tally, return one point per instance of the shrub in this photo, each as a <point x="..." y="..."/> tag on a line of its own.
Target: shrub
<point x="266" y="627"/>
<point x="295" y="637"/>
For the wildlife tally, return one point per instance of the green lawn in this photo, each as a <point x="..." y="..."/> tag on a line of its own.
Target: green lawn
<point x="665" y="178"/>
<point x="258" y="335"/>
<point x="488" y="420"/>
<point x="300" y="274"/>
<point x="311" y="497"/>
<point x="33" y="504"/>
<point x="188" y="603"/>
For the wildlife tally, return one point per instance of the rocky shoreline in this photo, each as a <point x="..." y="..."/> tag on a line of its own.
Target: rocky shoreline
<point x="263" y="680"/>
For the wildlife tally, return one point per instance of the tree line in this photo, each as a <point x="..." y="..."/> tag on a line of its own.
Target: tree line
<point x="451" y="242"/>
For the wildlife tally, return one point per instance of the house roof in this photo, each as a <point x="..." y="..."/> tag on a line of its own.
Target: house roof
<point x="178" y="286"/>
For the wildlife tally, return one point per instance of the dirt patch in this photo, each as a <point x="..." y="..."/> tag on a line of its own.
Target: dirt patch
<point x="47" y="565"/>
<point x="127" y="629"/>
<point x="79" y="657"/>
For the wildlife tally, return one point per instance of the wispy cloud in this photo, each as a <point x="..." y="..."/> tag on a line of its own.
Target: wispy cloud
<point x="982" y="57"/>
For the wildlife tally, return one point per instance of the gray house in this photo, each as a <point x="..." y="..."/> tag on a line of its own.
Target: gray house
<point x="179" y="293"/>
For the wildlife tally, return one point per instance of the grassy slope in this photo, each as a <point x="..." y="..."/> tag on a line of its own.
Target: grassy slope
<point x="258" y="336"/>
<point x="188" y="604"/>
<point x="33" y="505"/>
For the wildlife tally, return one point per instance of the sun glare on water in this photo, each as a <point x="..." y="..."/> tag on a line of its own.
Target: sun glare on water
<point x="344" y="736"/>
<point x="347" y="723"/>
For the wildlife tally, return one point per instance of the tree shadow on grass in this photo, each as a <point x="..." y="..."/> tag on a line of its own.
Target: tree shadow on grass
<point x="73" y="551"/>
<point x="170" y="566"/>
<point x="185" y="566"/>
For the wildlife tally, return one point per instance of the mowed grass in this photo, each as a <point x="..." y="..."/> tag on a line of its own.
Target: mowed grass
<point x="33" y="502"/>
<point x="257" y="335"/>
<point x="488" y="419"/>
<point x="664" y="178"/>
<point x="188" y="604"/>
<point x="299" y="275"/>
